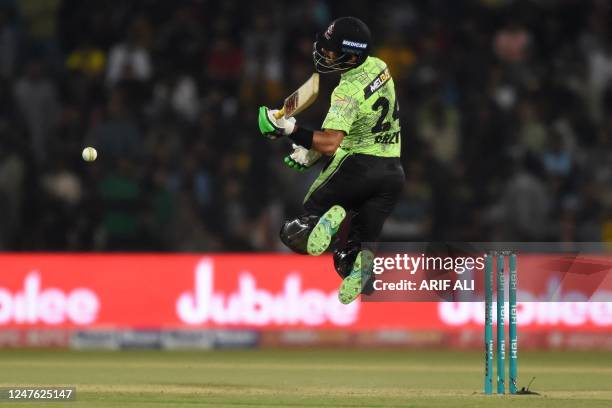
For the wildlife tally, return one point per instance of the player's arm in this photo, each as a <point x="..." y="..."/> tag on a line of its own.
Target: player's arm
<point x="326" y="141"/>
<point x="343" y="111"/>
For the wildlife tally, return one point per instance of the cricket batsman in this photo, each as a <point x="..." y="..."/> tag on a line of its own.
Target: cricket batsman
<point x="364" y="177"/>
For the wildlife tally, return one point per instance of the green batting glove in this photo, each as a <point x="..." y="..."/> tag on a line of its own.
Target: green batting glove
<point x="271" y="127"/>
<point x="294" y="165"/>
<point x="302" y="159"/>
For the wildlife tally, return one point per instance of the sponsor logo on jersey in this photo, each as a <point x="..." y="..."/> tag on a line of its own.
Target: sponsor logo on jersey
<point x="377" y="83"/>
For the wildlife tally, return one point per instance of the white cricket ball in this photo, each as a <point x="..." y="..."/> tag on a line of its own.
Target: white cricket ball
<point x="89" y="154"/>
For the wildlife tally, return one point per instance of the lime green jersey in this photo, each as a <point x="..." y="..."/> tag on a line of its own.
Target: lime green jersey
<point x="363" y="106"/>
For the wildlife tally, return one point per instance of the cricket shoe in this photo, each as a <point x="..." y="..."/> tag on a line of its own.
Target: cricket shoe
<point x="353" y="285"/>
<point x="322" y="234"/>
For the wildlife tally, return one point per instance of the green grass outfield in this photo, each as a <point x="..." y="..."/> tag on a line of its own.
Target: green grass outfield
<point x="305" y="378"/>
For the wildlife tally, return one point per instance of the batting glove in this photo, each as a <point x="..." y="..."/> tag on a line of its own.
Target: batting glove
<point x="274" y="128"/>
<point x="302" y="159"/>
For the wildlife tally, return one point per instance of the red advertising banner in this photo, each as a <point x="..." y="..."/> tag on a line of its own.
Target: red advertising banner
<point x="152" y="291"/>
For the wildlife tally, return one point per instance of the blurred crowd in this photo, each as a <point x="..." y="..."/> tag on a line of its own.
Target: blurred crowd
<point x="505" y="109"/>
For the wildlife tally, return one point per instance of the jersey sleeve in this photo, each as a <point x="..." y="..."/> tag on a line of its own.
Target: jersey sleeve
<point x="343" y="110"/>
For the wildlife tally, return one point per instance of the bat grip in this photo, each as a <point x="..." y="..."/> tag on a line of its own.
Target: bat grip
<point x="280" y="113"/>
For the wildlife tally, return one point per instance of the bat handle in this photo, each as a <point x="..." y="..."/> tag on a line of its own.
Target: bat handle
<point x="280" y="113"/>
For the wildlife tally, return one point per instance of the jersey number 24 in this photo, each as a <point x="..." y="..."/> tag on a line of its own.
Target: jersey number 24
<point x="381" y="125"/>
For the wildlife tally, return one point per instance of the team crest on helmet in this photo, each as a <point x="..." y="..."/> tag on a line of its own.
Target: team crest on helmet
<point x="329" y="31"/>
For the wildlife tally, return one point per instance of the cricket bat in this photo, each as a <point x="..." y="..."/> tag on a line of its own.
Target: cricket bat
<point x="301" y="99"/>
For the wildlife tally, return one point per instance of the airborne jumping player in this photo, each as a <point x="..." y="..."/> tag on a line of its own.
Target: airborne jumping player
<point x="364" y="176"/>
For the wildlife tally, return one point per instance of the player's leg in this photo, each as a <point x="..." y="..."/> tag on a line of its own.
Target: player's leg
<point x="354" y="284"/>
<point x="361" y="245"/>
<point x="366" y="226"/>
<point x="321" y="235"/>
<point x="311" y="234"/>
<point x="294" y="233"/>
<point x="325" y="204"/>
<point x="365" y="230"/>
<point x="334" y="192"/>
<point x="344" y="257"/>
